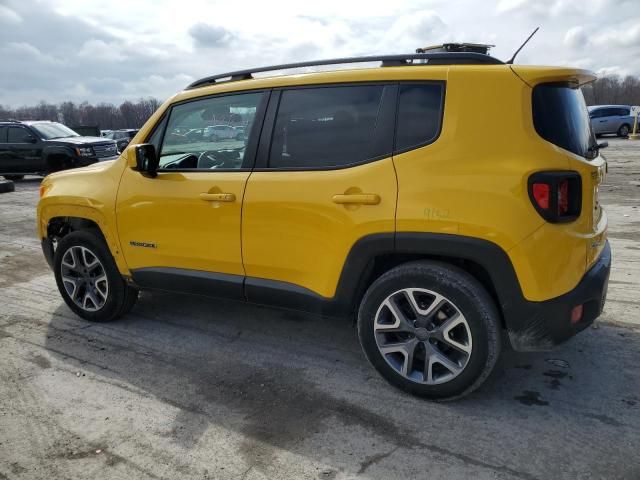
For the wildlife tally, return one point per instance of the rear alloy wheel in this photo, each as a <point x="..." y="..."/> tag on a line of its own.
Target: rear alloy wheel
<point x="431" y="329"/>
<point x="88" y="278"/>
<point x="623" y="131"/>
<point x="423" y="336"/>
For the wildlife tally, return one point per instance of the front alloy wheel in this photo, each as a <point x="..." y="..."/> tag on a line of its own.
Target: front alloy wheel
<point x="84" y="278"/>
<point x="88" y="278"/>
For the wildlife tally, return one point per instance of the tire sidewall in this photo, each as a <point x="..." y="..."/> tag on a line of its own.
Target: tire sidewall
<point x="467" y="295"/>
<point x="116" y="295"/>
<point x="621" y="131"/>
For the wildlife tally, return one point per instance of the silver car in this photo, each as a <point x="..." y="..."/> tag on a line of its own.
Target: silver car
<point x="611" y="119"/>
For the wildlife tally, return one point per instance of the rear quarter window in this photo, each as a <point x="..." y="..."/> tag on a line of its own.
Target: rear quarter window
<point x="419" y="115"/>
<point x="560" y="116"/>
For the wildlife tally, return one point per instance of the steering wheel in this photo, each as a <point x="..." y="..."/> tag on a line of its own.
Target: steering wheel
<point x="208" y="159"/>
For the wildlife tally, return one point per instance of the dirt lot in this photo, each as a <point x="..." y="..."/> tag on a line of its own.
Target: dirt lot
<point x="192" y="388"/>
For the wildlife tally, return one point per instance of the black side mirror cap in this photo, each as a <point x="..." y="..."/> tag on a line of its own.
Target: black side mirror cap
<point x="603" y="145"/>
<point x="146" y="159"/>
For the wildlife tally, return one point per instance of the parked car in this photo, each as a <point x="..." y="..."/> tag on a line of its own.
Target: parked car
<point x="611" y="119"/>
<point x="216" y="133"/>
<point x="122" y="137"/>
<point x="359" y="193"/>
<point x="239" y="132"/>
<point x="42" y="147"/>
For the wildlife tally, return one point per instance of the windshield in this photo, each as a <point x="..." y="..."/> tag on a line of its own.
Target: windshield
<point x="560" y="116"/>
<point x="52" y="130"/>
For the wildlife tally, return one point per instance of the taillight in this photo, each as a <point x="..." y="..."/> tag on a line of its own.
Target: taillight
<point x="563" y="197"/>
<point x="541" y="195"/>
<point x="556" y="196"/>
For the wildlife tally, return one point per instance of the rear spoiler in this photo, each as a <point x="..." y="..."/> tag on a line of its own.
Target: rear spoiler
<point x="533" y="75"/>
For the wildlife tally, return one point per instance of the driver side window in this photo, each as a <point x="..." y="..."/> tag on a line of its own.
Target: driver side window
<point x="197" y="136"/>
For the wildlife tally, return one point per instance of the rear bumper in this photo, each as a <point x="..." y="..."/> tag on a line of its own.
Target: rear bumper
<point x="541" y="325"/>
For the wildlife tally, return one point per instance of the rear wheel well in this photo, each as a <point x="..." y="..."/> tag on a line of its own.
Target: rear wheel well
<point x="383" y="263"/>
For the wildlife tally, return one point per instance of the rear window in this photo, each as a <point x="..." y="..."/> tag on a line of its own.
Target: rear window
<point x="560" y="116"/>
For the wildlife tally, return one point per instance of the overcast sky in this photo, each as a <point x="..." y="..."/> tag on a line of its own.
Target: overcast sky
<point x="114" y="50"/>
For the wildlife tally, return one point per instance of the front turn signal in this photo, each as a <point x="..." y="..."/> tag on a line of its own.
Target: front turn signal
<point x="43" y="190"/>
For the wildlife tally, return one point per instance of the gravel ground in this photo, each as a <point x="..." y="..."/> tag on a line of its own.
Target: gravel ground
<point x="192" y="388"/>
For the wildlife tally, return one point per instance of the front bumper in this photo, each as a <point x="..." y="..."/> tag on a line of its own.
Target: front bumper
<point x="47" y="250"/>
<point x="542" y="325"/>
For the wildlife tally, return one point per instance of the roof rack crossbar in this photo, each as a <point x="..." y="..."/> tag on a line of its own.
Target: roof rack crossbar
<point x="436" y="58"/>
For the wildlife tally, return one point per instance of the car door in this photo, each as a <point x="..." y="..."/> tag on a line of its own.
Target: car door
<point x="607" y="121"/>
<point x="24" y="150"/>
<point x="596" y="125"/>
<point x="324" y="179"/>
<point x="181" y="229"/>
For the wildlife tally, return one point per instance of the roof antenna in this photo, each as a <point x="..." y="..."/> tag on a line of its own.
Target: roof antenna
<point x="510" y="61"/>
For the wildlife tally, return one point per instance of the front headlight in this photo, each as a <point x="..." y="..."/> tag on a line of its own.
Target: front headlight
<point x="85" y="151"/>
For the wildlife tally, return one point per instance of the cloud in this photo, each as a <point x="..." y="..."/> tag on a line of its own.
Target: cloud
<point x="576" y="37"/>
<point x="410" y="31"/>
<point x="210" y="36"/>
<point x="57" y="50"/>
<point x="619" y="37"/>
<point x="9" y="17"/>
<point x="101" y="50"/>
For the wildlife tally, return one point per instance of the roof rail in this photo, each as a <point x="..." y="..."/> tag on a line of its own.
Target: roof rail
<point x="435" y="58"/>
<point x="10" y="120"/>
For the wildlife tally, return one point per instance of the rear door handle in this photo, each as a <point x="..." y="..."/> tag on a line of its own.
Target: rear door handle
<point x="359" y="198"/>
<point x="218" y="197"/>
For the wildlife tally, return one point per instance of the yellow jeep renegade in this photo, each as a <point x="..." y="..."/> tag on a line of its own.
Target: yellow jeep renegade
<point x="445" y="199"/>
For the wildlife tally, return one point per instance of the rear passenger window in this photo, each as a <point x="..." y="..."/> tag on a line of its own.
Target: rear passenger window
<point x="17" y="135"/>
<point x="3" y="134"/>
<point x="325" y="127"/>
<point x="419" y="115"/>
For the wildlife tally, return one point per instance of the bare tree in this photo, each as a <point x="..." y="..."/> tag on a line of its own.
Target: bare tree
<point x="104" y="115"/>
<point x="613" y="90"/>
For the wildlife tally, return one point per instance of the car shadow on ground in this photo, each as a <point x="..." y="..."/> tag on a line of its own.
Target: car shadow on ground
<point x="281" y="378"/>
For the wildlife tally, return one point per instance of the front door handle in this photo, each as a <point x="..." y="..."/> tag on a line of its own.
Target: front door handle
<point x="218" y="197"/>
<point x="358" y="198"/>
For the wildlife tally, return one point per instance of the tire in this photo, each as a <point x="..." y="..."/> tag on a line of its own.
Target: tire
<point x="89" y="280"/>
<point x="623" y="131"/>
<point x="6" y="186"/>
<point x="14" y="178"/>
<point x="453" y="354"/>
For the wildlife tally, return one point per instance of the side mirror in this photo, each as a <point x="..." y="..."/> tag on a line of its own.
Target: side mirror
<point x="29" y="139"/>
<point x="142" y="158"/>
